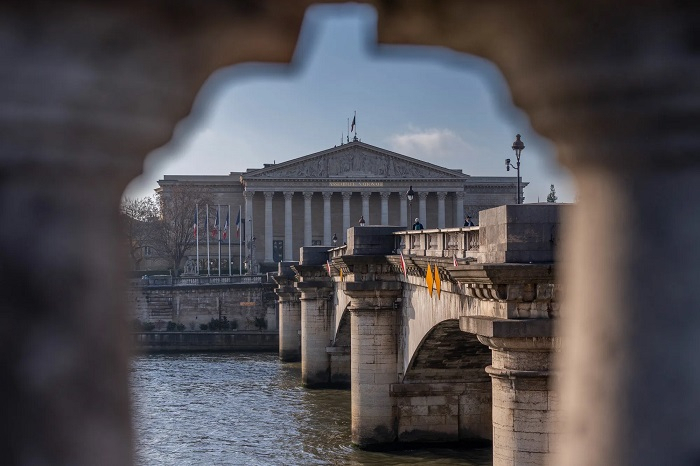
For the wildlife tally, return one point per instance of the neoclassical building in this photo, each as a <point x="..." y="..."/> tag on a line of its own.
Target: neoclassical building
<point x="311" y="199"/>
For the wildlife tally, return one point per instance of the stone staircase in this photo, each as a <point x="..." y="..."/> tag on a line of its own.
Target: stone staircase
<point x="160" y="308"/>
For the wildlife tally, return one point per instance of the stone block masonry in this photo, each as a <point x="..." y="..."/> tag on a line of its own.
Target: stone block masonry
<point x="195" y="305"/>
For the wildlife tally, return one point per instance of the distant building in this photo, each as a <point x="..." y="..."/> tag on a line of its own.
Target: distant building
<point x="308" y="200"/>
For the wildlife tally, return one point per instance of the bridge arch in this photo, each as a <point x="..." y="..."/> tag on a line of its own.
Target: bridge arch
<point x="447" y="354"/>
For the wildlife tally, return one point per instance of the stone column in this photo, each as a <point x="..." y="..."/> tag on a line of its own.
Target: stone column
<point x="441" y="209"/>
<point x="289" y="319"/>
<point x="269" y="235"/>
<point x="346" y="214"/>
<point x="288" y="255"/>
<point x="365" y="206"/>
<point x="307" y="217"/>
<point x="459" y="209"/>
<point x="422" y="211"/>
<point x="327" y="218"/>
<point x="385" y="206"/>
<point x="316" y="310"/>
<point x="248" y="196"/>
<point x="525" y="406"/>
<point x="373" y="360"/>
<point x="404" y="211"/>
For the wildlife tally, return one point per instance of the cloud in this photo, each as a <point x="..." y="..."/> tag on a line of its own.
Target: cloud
<point x="433" y="144"/>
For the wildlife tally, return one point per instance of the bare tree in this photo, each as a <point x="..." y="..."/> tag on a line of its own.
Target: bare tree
<point x="137" y="217"/>
<point x="172" y="235"/>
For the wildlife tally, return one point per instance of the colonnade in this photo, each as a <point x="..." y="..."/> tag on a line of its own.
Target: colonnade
<point x="346" y="196"/>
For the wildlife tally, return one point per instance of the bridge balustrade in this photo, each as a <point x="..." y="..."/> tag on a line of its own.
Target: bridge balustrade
<point x="443" y="242"/>
<point x="167" y="280"/>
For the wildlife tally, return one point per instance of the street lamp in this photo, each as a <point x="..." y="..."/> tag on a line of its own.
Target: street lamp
<point x="409" y="195"/>
<point x="362" y="220"/>
<point x="518" y="146"/>
<point x="335" y="239"/>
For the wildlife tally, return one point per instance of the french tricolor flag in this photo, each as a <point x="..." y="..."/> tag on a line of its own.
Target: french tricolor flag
<point x="195" y="223"/>
<point x="238" y="223"/>
<point x="226" y="227"/>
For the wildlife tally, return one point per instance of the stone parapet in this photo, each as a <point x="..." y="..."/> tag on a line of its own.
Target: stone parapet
<point x="526" y="233"/>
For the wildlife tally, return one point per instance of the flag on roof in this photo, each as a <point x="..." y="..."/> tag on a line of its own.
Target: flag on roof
<point x="352" y="126"/>
<point x="437" y="281"/>
<point x="429" y="281"/>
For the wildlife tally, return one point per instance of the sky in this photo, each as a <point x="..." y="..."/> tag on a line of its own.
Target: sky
<point x="439" y="106"/>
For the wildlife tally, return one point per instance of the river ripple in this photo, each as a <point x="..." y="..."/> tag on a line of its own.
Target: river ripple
<point x="250" y="409"/>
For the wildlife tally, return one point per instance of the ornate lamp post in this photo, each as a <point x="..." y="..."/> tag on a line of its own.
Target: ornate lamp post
<point x="362" y="220"/>
<point x="518" y="146"/>
<point x="335" y="239"/>
<point x="409" y="195"/>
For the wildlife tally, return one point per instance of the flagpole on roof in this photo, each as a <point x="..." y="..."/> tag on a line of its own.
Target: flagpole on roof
<point x="353" y="126"/>
<point x="348" y="136"/>
<point x="196" y="232"/>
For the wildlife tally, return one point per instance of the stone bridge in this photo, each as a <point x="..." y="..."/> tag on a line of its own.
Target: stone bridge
<point x="465" y="360"/>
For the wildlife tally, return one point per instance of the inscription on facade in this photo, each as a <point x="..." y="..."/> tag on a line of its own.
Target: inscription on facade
<point x="352" y="184"/>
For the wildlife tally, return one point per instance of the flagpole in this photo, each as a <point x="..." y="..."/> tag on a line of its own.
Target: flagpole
<point x="206" y="227"/>
<point x="239" y="230"/>
<point x="354" y="120"/>
<point x="228" y="216"/>
<point x="196" y="216"/>
<point x="218" y="217"/>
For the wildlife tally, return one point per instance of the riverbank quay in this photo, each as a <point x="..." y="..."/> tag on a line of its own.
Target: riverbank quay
<point x="165" y="342"/>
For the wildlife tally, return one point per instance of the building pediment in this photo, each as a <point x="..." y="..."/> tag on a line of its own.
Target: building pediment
<point x="355" y="160"/>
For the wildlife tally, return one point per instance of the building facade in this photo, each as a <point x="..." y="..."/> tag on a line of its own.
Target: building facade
<point x="313" y="199"/>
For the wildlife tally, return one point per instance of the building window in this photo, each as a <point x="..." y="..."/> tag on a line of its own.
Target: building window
<point x="147" y="251"/>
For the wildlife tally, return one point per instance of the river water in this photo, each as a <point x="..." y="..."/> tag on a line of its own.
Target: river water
<point x="250" y="409"/>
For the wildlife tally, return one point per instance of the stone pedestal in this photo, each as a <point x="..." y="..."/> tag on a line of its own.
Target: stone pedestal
<point x="373" y="361"/>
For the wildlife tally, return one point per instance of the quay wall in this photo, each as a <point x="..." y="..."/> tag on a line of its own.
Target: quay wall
<point x="194" y="305"/>
<point x="157" y="342"/>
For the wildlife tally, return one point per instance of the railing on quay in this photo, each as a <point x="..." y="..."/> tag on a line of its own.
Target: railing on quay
<point x="442" y="242"/>
<point x="167" y="280"/>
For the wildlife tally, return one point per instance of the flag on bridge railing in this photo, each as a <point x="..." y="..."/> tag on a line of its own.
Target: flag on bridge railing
<point x="454" y="259"/>
<point x="437" y="281"/>
<point x="429" y="281"/>
<point x="328" y="267"/>
<point x="403" y="264"/>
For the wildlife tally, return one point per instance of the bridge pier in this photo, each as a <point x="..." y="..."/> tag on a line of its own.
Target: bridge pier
<point x="525" y="406"/>
<point x="289" y="315"/>
<point x="373" y="366"/>
<point x="315" y="331"/>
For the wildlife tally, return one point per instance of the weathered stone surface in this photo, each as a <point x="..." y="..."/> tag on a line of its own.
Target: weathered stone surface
<point x="519" y="233"/>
